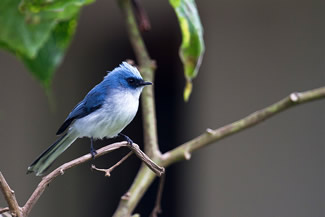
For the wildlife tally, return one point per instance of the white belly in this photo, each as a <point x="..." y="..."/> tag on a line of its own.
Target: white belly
<point x="110" y="119"/>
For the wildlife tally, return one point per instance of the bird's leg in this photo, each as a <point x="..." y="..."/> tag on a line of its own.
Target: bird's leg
<point x="126" y="138"/>
<point x="93" y="151"/>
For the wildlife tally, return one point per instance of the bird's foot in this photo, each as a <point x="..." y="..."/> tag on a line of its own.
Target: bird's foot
<point x="126" y="138"/>
<point x="93" y="152"/>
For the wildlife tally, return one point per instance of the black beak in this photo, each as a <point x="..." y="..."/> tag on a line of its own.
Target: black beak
<point x="144" y="83"/>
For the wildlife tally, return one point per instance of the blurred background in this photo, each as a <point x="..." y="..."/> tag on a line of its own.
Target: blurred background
<point x="257" y="52"/>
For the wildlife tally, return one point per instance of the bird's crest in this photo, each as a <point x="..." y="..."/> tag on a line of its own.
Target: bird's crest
<point x="124" y="66"/>
<point x="127" y="66"/>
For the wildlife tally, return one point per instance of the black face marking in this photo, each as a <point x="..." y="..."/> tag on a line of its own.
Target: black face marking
<point x="136" y="82"/>
<point x="131" y="81"/>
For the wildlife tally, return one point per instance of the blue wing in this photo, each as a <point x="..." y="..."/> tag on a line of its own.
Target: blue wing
<point x="93" y="101"/>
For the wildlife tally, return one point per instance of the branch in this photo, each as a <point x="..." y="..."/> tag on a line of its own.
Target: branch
<point x="157" y="209"/>
<point x="152" y="165"/>
<point x="60" y="170"/>
<point x="140" y="184"/>
<point x="9" y="197"/>
<point x="184" y="151"/>
<point x="144" y="177"/>
<point x="109" y="170"/>
<point x="147" y="67"/>
<point x="144" y="23"/>
<point x="2" y="210"/>
<point x="142" y="156"/>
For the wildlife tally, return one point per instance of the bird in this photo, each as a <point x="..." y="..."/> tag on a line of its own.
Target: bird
<point x="103" y="113"/>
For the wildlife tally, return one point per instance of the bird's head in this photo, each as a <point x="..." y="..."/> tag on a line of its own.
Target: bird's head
<point x="126" y="78"/>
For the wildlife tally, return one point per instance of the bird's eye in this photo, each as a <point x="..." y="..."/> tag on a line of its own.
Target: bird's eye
<point x="131" y="80"/>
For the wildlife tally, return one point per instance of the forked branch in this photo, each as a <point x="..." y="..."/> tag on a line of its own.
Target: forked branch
<point x="24" y="211"/>
<point x="144" y="178"/>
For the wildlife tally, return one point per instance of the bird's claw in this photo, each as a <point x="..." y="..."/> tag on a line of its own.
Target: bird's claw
<point x="93" y="153"/>
<point x="126" y="138"/>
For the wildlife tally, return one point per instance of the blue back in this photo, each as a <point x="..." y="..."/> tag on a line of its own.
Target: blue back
<point x="97" y="96"/>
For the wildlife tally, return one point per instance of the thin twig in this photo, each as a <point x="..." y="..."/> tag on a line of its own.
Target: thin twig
<point x="152" y="165"/>
<point x="2" y="210"/>
<point x="10" y="197"/>
<point x="109" y="170"/>
<point x="60" y="170"/>
<point x="184" y="151"/>
<point x="157" y="209"/>
<point x="144" y="23"/>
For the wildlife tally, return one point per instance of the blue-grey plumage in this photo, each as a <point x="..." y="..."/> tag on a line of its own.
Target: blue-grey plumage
<point x="104" y="112"/>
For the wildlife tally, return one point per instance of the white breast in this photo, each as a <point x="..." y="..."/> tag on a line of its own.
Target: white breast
<point x="116" y="113"/>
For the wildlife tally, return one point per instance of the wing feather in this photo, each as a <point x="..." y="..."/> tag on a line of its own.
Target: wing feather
<point x="93" y="101"/>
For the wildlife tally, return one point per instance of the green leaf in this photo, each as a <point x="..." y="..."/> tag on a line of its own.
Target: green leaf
<point x="192" y="48"/>
<point x="52" y="9"/>
<point x="39" y="32"/>
<point x="51" y="54"/>
<point x="20" y="35"/>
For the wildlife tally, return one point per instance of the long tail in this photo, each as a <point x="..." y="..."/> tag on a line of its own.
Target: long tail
<point x="45" y="160"/>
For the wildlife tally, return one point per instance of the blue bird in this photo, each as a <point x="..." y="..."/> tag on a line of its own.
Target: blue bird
<point x="105" y="111"/>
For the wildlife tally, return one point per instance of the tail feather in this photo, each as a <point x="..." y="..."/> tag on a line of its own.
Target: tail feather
<point x="45" y="160"/>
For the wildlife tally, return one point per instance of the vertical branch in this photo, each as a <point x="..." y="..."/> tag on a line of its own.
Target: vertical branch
<point x="149" y="117"/>
<point x="147" y="67"/>
<point x="144" y="177"/>
<point x="10" y="197"/>
<point x="140" y="185"/>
